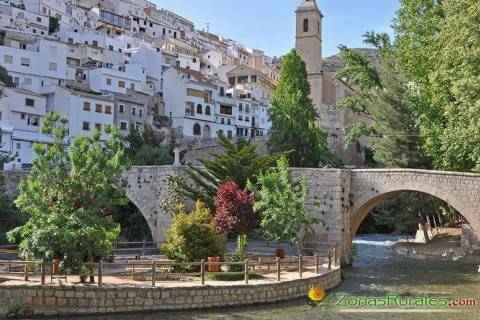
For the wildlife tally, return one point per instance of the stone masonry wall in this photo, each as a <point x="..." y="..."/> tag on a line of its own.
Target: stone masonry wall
<point x="78" y="300"/>
<point x="12" y="181"/>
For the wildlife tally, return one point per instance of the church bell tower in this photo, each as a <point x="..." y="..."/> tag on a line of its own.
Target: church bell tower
<point x="309" y="46"/>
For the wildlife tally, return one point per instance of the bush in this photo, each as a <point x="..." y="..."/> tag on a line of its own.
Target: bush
<point x="239" y="255"/>
<point x="193" y="237"/>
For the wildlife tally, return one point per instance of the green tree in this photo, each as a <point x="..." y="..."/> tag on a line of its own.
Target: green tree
<point x="293" y="117"/>
<point x="417" y="28"/>
<point x="239" y="162"/>
<point x="10" y="217"/>
<point x="144" y="148"/>
<point x="152" y="156"/>
<point x="455" y="81"/>
<point x="193" y="237"/>
<point x="384" y="95"/>
<point x="437" y="45"/>
<point x="68" y="195"/>
<point x="5" y="78"/>
<point x="282" y="205"/>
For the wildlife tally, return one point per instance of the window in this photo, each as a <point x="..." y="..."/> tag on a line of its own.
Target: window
<point x="197" y="130"/>
<point x="95" y="43"/>
<point x="98" y="127"/>
<point x="8" y="59"/>
<point x="134" y="111"/>
<point x="247" y="119"/>
<point x="86" y="106"/>
<point x="229" y="122"/>
<point x="86" y="126"/>
<point x="29" y="102"/>
<point x="240" y="118"/>
<point x="132" y="86"/>
<point x="23" y="116"/>
<point x="108" y="109"/>
<point x="253" y="78"/>
<point x="19" y="146"/>
<point x="228" y="110"/>
<point x="305" y="25"/>
<point x="35" y="121"/>
<point x="98" y="108"/>
<point x="109" y="81"/>
<point x="52" y="66"/>
<point x="123" y="126"/>
<point x="199" y="109"/>
<point x="25" y="62"/>
<point x="207" y="110"/>
<point x="140" y="112"/>
<point x="121" y="108"/>
<point x="121" y="84"/>
<point x="240" y="107"/>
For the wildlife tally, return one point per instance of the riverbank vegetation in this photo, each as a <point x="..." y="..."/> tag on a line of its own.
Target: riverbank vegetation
<point x="422" y="96"/>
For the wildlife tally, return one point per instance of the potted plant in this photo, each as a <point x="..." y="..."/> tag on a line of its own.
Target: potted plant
<point x="214" y="267"/>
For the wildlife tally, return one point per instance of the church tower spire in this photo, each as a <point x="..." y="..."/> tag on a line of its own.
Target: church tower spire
<point x="309" y="45"/>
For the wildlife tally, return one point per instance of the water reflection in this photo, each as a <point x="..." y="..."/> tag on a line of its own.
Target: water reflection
<point x="376" y="272"/>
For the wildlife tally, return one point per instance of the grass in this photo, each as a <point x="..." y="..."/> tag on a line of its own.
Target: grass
<point x="233" y="277"/>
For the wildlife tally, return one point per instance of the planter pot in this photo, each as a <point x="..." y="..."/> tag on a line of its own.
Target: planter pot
<point x="215" y="267"/>
<point x="280" y="253"/>
<point x="55" y="266"/>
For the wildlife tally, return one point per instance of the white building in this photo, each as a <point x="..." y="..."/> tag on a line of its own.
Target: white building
<point x="118" y="79"/>
<point x="189" y="103"/>
<point x="21" y="114"/>
<point x="86" y="110"/>
<point x="35" y="65"/>
<point x="15" y="18"/>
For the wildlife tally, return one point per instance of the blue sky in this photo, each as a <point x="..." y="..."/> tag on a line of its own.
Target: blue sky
<point x="269" y="25"/>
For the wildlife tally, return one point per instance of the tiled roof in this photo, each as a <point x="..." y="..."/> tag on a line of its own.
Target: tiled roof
<point x="25" y="91"/>
<point x="197" y="75"/>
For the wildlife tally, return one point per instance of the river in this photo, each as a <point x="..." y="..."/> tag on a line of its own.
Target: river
<point x="376" y="272"/>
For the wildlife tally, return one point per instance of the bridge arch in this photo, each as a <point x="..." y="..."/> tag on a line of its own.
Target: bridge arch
<point x="370" y="188"/>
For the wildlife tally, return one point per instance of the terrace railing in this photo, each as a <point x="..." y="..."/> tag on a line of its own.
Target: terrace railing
<point x="158" y="270"/>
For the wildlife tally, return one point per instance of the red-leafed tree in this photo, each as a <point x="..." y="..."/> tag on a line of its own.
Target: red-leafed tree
<point x="234" y="209"/>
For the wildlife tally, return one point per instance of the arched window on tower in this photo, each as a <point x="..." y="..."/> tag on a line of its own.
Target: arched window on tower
<point x="305" y="25"/>
<point x="199" y="109"/>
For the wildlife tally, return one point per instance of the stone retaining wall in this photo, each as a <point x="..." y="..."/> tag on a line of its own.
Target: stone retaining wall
<point x="69" y="300"/>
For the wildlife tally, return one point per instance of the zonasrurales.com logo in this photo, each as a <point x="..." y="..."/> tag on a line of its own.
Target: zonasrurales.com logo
<point x="394" y="300"/>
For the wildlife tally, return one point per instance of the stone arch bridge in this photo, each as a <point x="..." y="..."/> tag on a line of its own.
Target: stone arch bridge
<point x="342" y="198"/>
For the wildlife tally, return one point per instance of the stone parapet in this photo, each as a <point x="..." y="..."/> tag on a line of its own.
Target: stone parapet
<point x="81" y="300"/>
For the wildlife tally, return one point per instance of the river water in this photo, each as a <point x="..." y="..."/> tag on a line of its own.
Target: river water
<point x="376" y="272"/>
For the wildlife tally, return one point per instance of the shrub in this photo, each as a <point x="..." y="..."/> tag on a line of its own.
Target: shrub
<point x="234" y="209"/>
<point x="193" y="237"/>
<point x="239" y="255"/>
